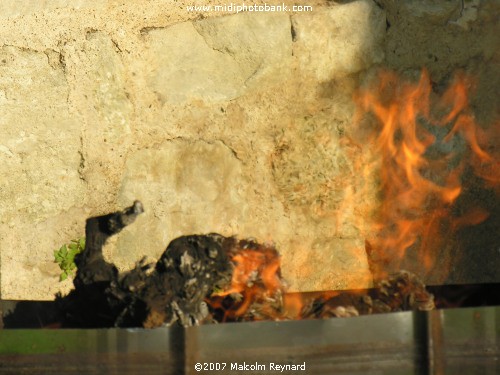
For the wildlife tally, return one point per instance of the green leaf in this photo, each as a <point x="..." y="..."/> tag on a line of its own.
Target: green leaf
<point x="64" y="250"/>
<point x="65" y="257"/>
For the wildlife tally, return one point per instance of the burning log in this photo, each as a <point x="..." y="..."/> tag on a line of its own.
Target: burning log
<point x="209" y="278"/>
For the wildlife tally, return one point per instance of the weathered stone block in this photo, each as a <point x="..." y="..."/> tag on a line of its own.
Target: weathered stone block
<point x="320" y="177"/>
<point x="219" y="59"/>
<point x="105" y="109"/>
<point x="39" y="140"/>
<point x="339" y="40"/>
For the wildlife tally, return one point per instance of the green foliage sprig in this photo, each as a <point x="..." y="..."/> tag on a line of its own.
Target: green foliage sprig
<point x="65" y="257"/>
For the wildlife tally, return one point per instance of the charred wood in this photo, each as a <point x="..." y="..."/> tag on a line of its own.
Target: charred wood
<point x="208" y="278"/>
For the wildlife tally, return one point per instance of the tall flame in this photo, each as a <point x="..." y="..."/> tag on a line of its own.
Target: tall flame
<point x="422" y="168"/>
<point x="424" y="149"/>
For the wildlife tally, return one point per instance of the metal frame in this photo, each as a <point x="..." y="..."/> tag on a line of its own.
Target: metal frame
<point x="451" y="341"/>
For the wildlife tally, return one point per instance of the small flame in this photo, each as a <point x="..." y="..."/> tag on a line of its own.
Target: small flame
<point x="256" y="281"/>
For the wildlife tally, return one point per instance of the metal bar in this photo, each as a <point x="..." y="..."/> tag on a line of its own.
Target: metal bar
<point x="177" y="341"/>
<point x="421" y="336"/>
<point x="436" y="343"/>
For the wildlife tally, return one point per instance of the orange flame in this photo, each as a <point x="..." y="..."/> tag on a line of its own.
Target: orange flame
<point x="252" y="266"/>
<point x="256" y="279"/>
<point x="419" y="176"/>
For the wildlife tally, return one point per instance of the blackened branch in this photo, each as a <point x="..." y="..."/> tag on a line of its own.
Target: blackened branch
<point x="97" y="231"/>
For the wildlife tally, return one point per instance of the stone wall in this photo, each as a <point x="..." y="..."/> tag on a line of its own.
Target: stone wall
<point x="229" y="123"/>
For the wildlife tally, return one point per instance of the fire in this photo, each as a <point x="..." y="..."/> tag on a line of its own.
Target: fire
<point x="256" y="288"/>
<point x="426" y="147"/>
<point x="257" y="291"/>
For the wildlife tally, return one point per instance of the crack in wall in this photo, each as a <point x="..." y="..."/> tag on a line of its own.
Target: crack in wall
<point x="225" y="51"/>
<point x="81" y="166"/>
<point x="144" y="31"/>
<point x="293" y="32"/>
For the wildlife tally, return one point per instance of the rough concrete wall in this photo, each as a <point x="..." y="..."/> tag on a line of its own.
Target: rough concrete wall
<point x="236" y="124"/>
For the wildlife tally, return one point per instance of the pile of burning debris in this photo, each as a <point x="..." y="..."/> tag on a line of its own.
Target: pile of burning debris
<point x="429" y="187"/>
<point x="208" y="278"/>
